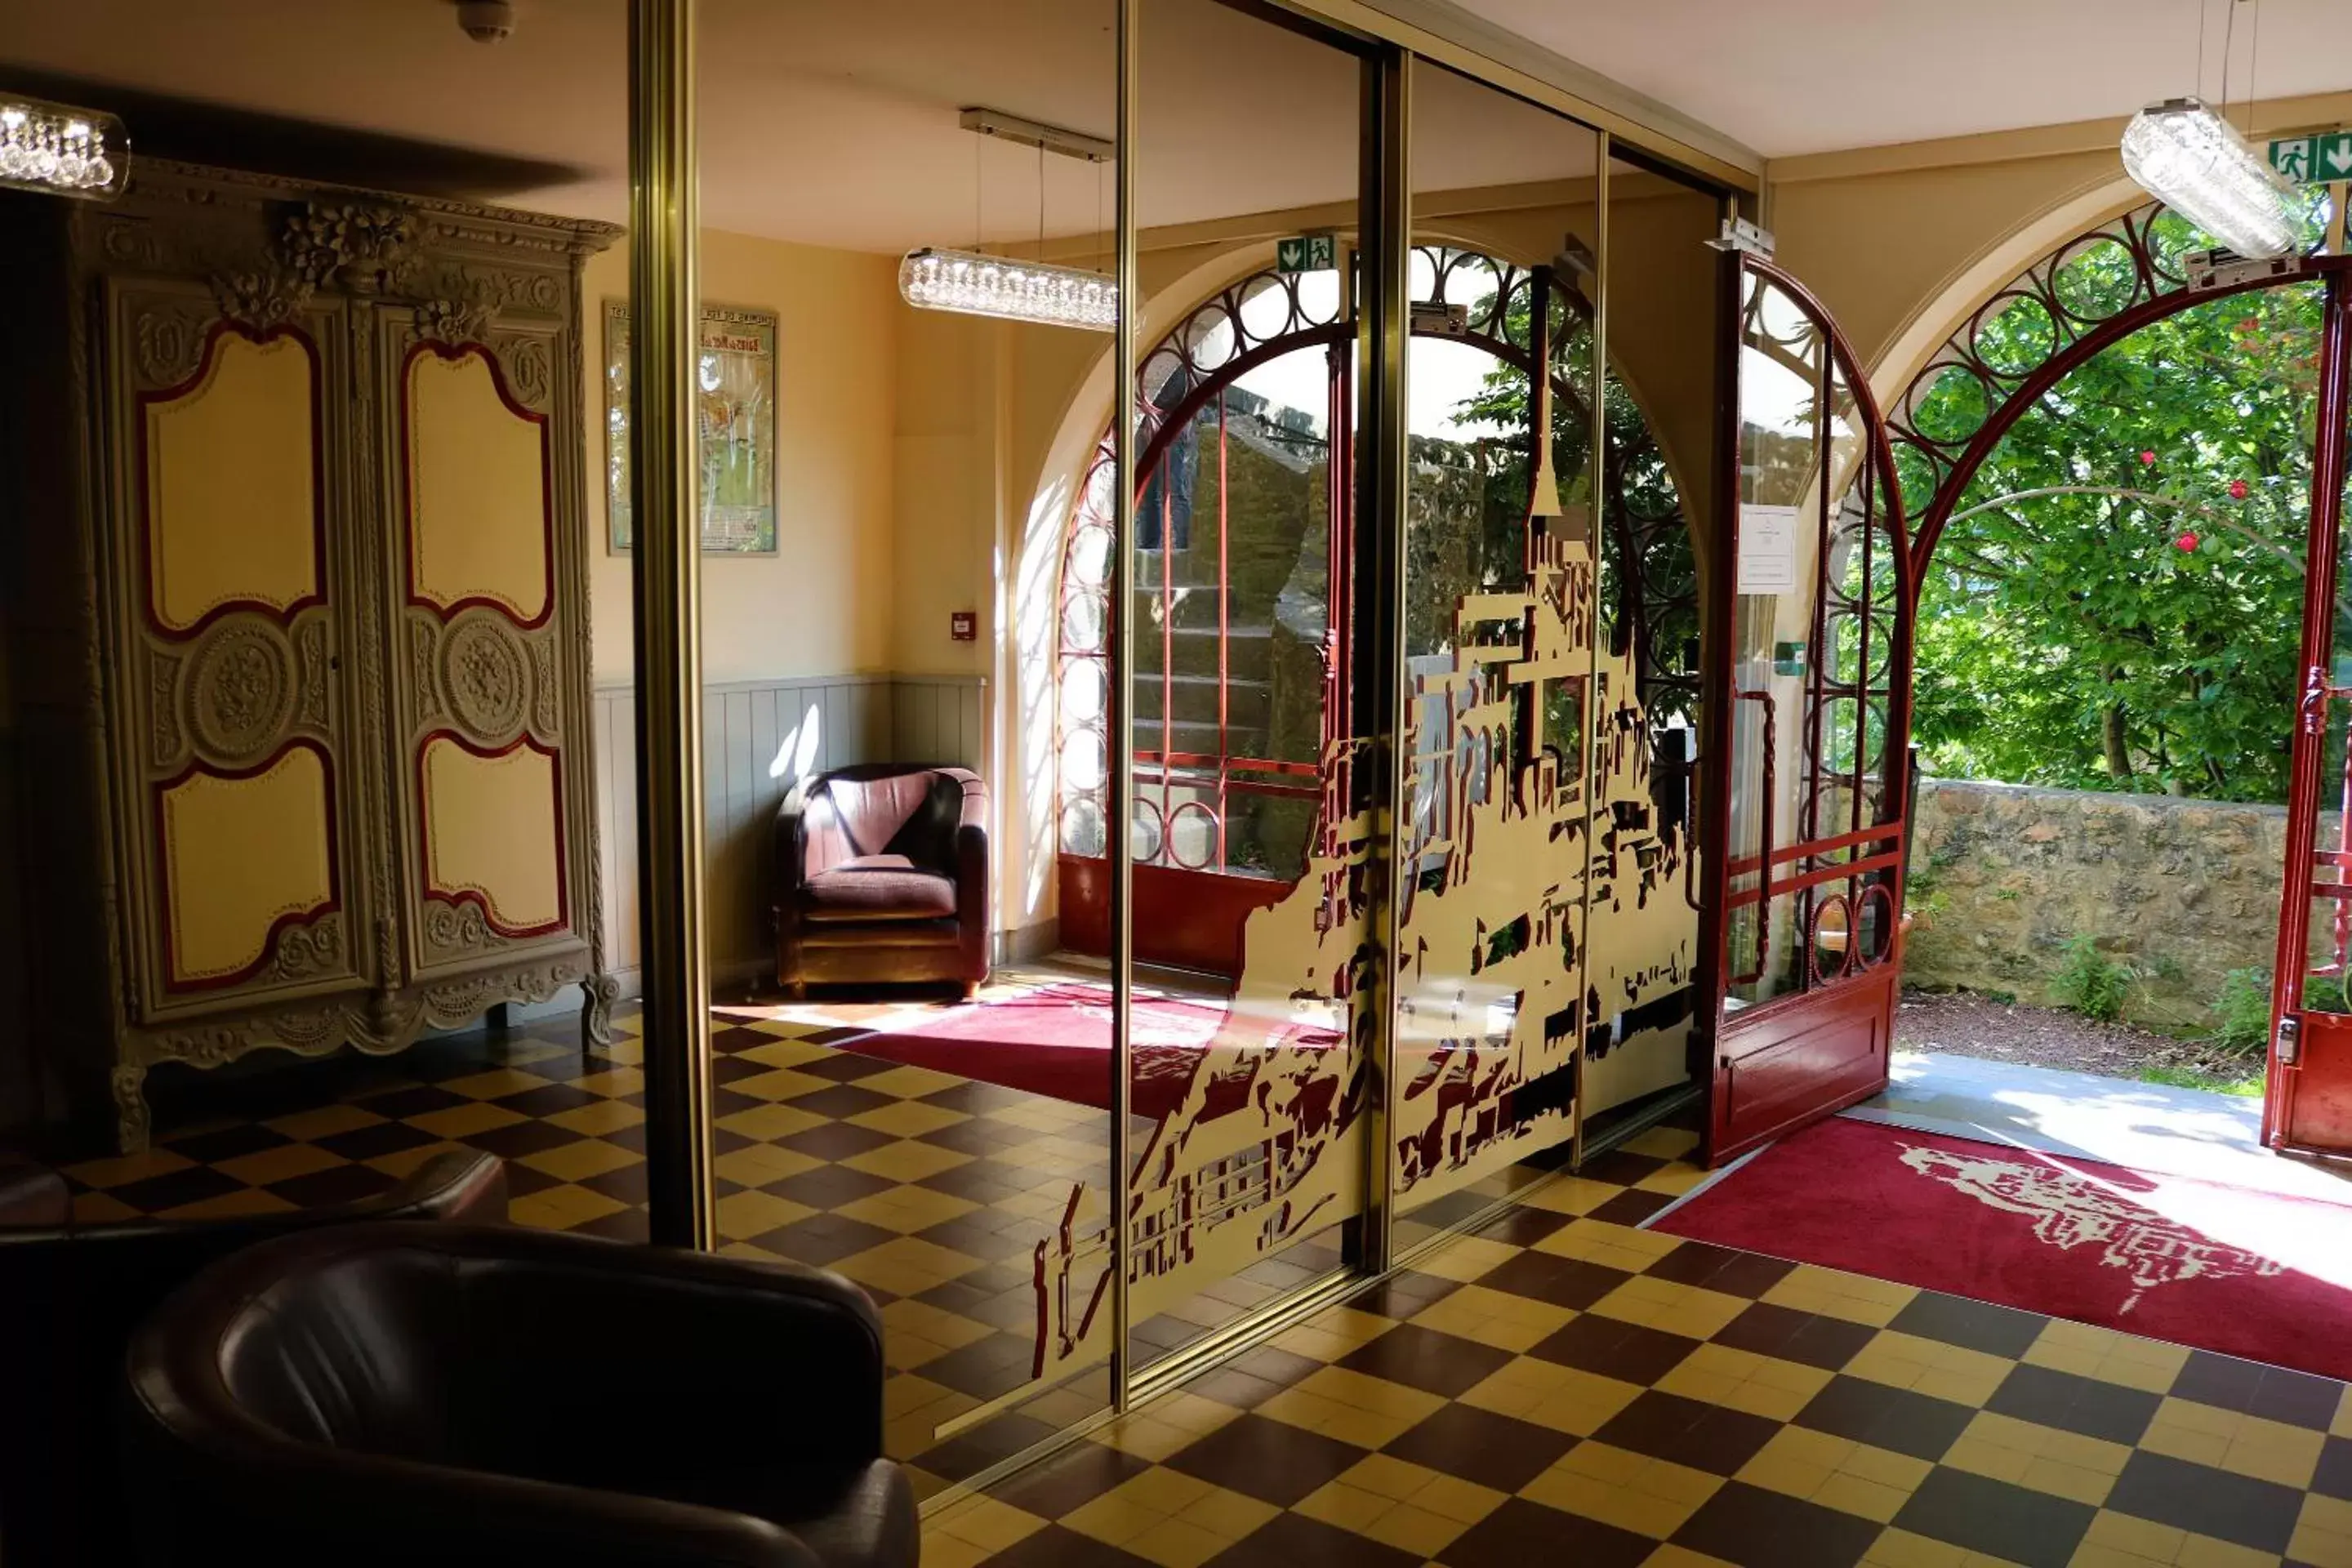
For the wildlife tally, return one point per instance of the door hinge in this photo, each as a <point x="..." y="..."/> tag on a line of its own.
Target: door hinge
<point x="1740" y="234"/>
<point x="2290" y="1040"/>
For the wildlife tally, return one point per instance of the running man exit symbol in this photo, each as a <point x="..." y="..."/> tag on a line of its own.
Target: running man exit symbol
<point x="1304" y="253"/>
<point x="2314" y="160"/>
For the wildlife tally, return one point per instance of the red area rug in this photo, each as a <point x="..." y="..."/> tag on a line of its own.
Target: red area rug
<point x="2227" y="1268"/>
<point x="1055" y="1041"/>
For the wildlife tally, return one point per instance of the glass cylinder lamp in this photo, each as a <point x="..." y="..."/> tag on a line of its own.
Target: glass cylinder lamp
<point x="2194" y="162"/>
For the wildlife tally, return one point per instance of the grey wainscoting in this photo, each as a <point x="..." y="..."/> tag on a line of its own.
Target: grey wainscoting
<point x="759" y="738"/>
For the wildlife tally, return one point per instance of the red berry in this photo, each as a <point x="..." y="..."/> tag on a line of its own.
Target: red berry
<point x="2185" y="544"/>
<point x="2237" y="489"/>
<point x="2147" y="459"/>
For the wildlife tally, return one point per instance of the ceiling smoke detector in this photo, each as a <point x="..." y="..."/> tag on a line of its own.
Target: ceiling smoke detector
<point x="486" y="21"/>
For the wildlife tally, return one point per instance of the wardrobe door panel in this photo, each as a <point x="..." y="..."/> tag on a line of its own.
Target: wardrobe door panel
<point x="237" y="827"/>
<point x="481" y="709"/>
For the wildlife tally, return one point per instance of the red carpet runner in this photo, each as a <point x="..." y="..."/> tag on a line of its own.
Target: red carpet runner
<point x="2244" y="1272"/>
<point x="1055" y="1041"/>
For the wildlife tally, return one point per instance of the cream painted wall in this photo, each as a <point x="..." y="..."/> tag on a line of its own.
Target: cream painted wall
<point x="823" y="605"/>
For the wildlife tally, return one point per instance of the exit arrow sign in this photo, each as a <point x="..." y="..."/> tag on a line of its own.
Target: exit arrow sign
<point x="1305" y="253"/>
<point x="2314" y="160"/>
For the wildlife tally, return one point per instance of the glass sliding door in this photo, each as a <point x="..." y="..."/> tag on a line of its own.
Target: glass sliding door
<point x="951" y="1155"/>
<point x="1247" y="1065"/>
<point x="1504" y="699"/>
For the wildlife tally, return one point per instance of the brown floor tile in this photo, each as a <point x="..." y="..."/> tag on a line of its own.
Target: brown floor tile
<point x="1615" y="1347"/>
<point x="1562" y="1281"/>
<point x="372" y="1142"/>
<point x="1496" y="1451"/>
<point x="1054" y="1547"/>
<point x="1721" y="1269"/>
<point x="2272" y="1392"/>
<point x="1790" y="1335"/>
<point x="2048" y="1397"/>
<point x="1687" y="1432"/>
<point x="1633" y="1208"/>
<point x="1523" y="1534"/>
<point x="1070" y="1480"/>
<point x="1404" y="1294"/>
<point x="2334" y="1477"/>
<point x="2228" y="1507"/>
<point x="1884" y="1417"/>
<point x="1760" y="1529"/>
<point x="2009" y="1522"/>
<point x="1269" y="1460"/>
<point x="347" y="1183"/>
<point x="1423" y="1358"/>
<point x="1293" y="1540"/>
<point x="1973" y="1325"/>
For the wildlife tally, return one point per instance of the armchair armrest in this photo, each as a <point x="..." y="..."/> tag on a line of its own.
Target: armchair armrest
<point x="789" y="847"/>
<point x="972" y="872"/>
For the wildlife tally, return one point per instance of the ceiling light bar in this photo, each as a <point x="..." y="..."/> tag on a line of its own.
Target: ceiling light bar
<point x="62" y="152"/>
<point x="1037" y="134"/>
<point x="1039" y="292"/>
<point x="2194" y="162"/>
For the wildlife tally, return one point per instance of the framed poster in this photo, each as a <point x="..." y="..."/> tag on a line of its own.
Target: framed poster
<point x="738" y="427"/>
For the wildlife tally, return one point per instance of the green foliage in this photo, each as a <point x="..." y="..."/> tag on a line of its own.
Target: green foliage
<point x="2242" y="1013"/>
<point x="2091" y="982"/>
<point x="2137" y="629"/>
<point x="2250" y="1088"/>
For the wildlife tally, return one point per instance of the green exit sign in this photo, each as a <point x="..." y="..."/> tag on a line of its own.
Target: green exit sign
<point x="2314" y="160"/>
<point x="1304" y="253"/>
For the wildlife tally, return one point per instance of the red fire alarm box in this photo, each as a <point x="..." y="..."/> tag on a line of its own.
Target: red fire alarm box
<point x="963" y="625"/>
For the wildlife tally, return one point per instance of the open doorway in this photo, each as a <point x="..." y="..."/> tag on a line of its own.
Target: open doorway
<point x="2105" y="688"/>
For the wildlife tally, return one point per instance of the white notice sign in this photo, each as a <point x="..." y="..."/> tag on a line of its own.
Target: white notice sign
<point x="1768" y="549"/>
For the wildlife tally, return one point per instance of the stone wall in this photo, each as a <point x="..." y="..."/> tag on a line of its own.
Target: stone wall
<point x="2003" y="877"/>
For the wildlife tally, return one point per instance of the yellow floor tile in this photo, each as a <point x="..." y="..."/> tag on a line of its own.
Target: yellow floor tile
<point x="560" y="1208"/>
<point x="757" y="1164"/>
<point x="464" y="1120"/>
<point x="282" y="1163"/>
<point x="598" y="1118"/>
<point x="907" y="1160"/>
<point x="496" y="1084"/>
<point x="577" y="1162"/>
<point x="766" y="1121"/>
<point x="324" y="1122"/>
<point x="906" y="1118"/>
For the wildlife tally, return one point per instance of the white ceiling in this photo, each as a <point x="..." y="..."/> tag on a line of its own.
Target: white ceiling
<point x="1812" y="76"/>
<point x="834" y="122"/>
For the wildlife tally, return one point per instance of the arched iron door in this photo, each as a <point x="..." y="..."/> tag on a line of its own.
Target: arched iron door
<point x="1807" y="722"/>
<point x="2307" y="1106"/>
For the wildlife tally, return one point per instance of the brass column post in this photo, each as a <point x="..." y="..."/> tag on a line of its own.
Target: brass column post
<point x="1382" y="700"/>
<point x="1121" y="781"/>
<point x="666" y="574"/>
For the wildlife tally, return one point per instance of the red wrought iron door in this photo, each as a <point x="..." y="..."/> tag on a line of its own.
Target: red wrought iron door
<point x="1807" y="719"/>
<point x="2307" y="1107"/>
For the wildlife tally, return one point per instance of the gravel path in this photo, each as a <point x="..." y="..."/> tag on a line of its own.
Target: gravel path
<point x="1969" y="1024"/>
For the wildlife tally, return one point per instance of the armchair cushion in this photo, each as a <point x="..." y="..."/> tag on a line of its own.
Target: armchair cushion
<point x="879" y="888"/>
<point x="391" y="1394"/>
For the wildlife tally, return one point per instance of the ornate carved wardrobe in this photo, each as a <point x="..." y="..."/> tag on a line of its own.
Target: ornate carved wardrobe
<point x="297" y="622"/>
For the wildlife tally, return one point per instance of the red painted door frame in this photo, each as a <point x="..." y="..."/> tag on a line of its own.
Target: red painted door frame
<point x="2307" y="1100"/>
<point x="1782" y="1064"/>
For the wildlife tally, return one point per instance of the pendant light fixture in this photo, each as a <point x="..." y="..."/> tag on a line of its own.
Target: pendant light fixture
<point x="2193" y="161"/>
<point x="62" y="152"/>
<point x="977" y="284"/>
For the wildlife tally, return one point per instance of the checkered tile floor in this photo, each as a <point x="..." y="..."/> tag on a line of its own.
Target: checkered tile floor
<point x="1564" y="1387"/>
<point x="1568" y="1388"/>
<point x="930" y="1190"/>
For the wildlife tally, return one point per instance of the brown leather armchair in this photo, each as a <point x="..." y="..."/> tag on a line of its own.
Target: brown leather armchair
<point x="408" y="1395"/>
<point x="70" y="1295"/>
<point x="881" y="875"/>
